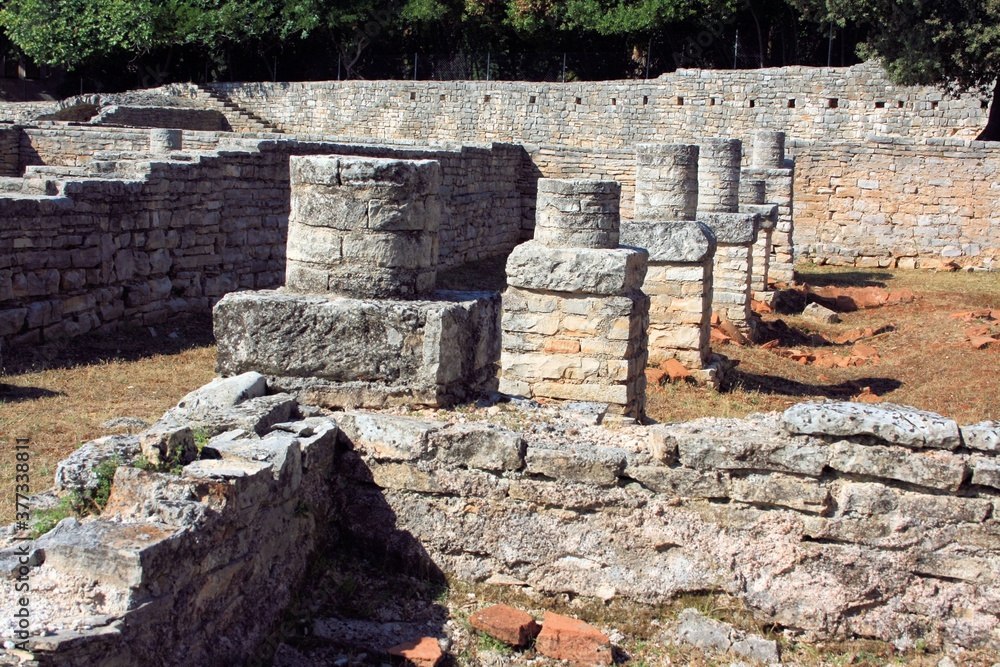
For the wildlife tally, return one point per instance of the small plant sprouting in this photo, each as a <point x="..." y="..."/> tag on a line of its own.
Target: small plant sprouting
<point x="201" y="438"/>
<point x="80" y="502"/>
<point x="487" y="643"/>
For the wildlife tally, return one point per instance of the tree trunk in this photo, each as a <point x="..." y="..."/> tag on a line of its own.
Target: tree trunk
<point x="992" y="130"/>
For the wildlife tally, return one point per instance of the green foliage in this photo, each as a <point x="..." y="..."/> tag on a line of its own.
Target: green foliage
<point x="954" y="44"/>
<point x="79" y="502"/>
<point x="170" y="465"/>
<point x="487" y="643"/>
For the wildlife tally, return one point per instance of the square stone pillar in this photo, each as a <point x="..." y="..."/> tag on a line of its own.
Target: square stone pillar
<point x="681" y="253"/>
<point x="753" y="194"/>
<point x="574" y="316"/>
<point x="768" y="164"/>
<point x="358" y="323"/>
<point x="735" y="232"/>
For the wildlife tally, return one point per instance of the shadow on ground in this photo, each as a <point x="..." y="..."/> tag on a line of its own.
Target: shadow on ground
<point x="131" y="343"/>
<point x="775" y="384"/>
<point x="845" y="279"/>
<point x="12" y="394"/>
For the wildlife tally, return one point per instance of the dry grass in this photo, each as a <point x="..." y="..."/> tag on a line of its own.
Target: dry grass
<point x="58" y="397"/>
<point x="924" y="362"/>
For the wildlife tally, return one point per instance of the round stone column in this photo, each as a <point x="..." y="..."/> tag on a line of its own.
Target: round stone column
<point x="666" y="182"/>
<point x="577" y="214"/>
<point x="719" y="175"/>
<point x="753" y="191"/>
<point x="768" y="150"/>
<point x="164" y="141"/>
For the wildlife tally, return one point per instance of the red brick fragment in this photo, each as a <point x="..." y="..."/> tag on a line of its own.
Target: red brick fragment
<point x="675" y="369"/>
<point x="564" y="638"/>
<point x="979" y="342"/>
<point x="505" y="623"/>
<point x="655" y="376"/>
<point x="862" y="350"/>
<point x="423" y="652"/>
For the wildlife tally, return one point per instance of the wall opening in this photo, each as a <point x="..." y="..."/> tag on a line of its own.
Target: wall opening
<point x="531" y="99"/>
<point x="832" y="103"/>
<point x="645" y="99"/>
<point x="791" y="104"/>
<point x="880" y="105"/>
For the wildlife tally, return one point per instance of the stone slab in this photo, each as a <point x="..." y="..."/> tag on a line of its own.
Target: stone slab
<point x="895" y="424"/>
<point x="670" y="241"/>
<point x="577" y="270"/>
<point x="732" y="228"/>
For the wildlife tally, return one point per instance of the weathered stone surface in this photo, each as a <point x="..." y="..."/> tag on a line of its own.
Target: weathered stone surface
<point x="597" y="465"/>
<point x="505" y="623"/>
<point x="278" y="449"/>
<point x="661" y="445"/>
<point x="666" y="182"/>
<point x="420" y="351"/>
<point x="807" y="495"/>
<point x="895" y="424"/>
<point x="168" y="445"/>
<point x="588" y="271"/>
<point x="256" y="415"/>
<point x="224" y="393"/>
<point x="936" y="470"/>
<point x="363" y="227"/>
<point x="984" y="436"/>
<point x="681" y="482"/>
<point x="985" y="471"/>
<point x="670" y="241"/>
<point x="758" y="444"/>
<point x="564" y="638"/>
<point x="482" y="446"/>
<point x="77" y="470"/>
<point x="767" y="215"/>
<point x="388" y="437"/>
<point x="716" y="636"/>
<point x="577" y="214"/>
<point x="814" y="311"/>
<point x="731" y="228"/>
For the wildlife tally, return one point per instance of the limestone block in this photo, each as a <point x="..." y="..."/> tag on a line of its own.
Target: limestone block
<point x="768" y="214"/>
<point x="894" y="424"/>
<point x="350" y="352"/>
<point x="935" y="470"/>
<point x="732" y="228"/>
<point x="596" y="465"/>
<point x="363" y="227"/>
<point x="164" y="140"/>
<point x="579" y="270"/>
<point x="753" y="191"/>
<point x="670" y="241"/>
<point x="577" y="214"/>
<point x="984" y="436"/>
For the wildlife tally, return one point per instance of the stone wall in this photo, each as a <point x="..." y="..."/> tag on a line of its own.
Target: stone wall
<point x="829" y="521"/>
<point x="805" y="102"/>
<point x="893" y="200"/>
<point x="143" y="238"/>
<point x="170" y="117"/>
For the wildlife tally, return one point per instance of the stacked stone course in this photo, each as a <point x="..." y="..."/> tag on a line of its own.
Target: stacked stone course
<point x="774" y="252"/>
<point x="681" y="253"/>
<point x="574" y="316"/>
<point x="735" y="232"/>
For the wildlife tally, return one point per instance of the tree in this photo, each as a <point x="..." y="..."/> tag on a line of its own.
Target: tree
<point x="954" y="44"/>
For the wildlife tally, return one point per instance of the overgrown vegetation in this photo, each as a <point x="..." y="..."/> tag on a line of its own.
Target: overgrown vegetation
<point x="80" y="502"/>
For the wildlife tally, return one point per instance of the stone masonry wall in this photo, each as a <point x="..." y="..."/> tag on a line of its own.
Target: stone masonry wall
<point x="806" y="102"/>
<point x="87" y="251"/>
<point x="893" y="200"/>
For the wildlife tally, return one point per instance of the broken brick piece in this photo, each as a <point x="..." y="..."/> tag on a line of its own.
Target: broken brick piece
<point x="423" y="652"/>
<point x="862" y="350"/>
<point x="564" y="638"/>
<point x="654" y="376"/>
<point x="979" y="342"/>
<point x="675" y="369"/>
<point x="505" y="623"/>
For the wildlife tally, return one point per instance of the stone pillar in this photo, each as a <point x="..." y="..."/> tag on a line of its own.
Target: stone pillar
<point x="574" y="316"/>
<point x="735" y="232"/>
<point x="681" y="253"/>
<point x="358" y="323"/>
<point x="363" y="227"/>
<point x="164" y="141"/>
<point x="753" y="195"/>
<point x="768" y="163"/>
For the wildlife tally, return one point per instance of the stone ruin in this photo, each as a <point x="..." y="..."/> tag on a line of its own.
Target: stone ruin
<point x="828" y="521"/>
